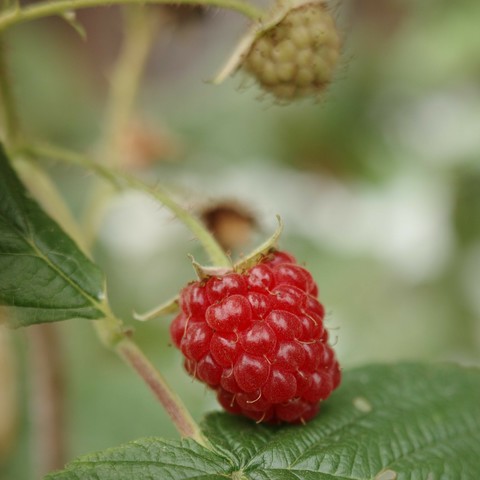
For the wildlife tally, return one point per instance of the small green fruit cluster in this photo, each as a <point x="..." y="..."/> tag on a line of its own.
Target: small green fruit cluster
<point x="297" y="56"/>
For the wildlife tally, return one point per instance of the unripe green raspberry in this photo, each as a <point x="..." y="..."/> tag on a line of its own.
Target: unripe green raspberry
<point x="292" y="50"/>
<point x="296" y="57"/>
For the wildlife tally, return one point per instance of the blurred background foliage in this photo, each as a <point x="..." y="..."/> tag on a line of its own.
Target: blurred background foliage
<point x="378" y="184"/>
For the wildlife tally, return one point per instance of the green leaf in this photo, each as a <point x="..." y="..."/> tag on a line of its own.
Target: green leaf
<point x="44" y="276"/>
<point x="395" y="422"/>
<point x="151" y="458"/>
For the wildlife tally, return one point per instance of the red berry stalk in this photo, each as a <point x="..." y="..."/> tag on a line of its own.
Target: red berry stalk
<point x="256" y="337"/>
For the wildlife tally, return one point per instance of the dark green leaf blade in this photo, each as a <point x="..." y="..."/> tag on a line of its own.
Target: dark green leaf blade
<point x="411" y="421"/>
<point x="149" y="458"/>
<point x="391" y="422"/>
<point x="44" y="276"/>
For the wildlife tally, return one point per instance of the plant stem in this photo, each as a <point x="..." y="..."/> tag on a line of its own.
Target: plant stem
<point x="8" y="114"/>
<point x="122" y="181"/>
<point x="46" y="9"/>
<point x="114" y="336"/>
<point x="139" y="32"/>
<point x="180" y="416"/>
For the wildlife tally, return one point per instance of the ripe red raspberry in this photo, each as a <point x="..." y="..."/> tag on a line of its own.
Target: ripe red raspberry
<point x="256" y="337"/>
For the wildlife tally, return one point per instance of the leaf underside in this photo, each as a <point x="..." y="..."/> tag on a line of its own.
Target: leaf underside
<point x="398" y="422"/>
<point x="44" y="277"/>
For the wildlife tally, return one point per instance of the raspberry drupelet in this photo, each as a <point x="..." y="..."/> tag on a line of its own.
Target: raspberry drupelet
<point x="257" y="338"/>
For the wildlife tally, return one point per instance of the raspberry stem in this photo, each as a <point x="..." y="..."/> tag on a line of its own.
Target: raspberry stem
<point x="122" y="181"/>
<point x="114" y="336"/>
<point x="172" y="404"/>
<point x="17" y="15"/>
<point x="140" y="28"/>
<point x="8" y="114"/>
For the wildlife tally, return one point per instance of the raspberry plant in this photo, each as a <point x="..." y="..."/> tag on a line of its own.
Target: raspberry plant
<point x="253" y="330"/>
